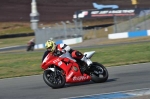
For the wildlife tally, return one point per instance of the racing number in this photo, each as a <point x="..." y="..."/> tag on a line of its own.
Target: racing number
<point x="59" y="62"/>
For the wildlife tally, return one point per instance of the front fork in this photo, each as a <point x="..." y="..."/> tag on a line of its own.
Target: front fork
<point x="55" y="71"/>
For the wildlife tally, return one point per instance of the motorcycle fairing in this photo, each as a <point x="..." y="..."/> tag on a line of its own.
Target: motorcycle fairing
<point x="53" y="60"/>
<point x="76" y="76"/>
<point x="72" y="74"/>
<point x="89" y="54"/>
<point x="58" y="61"/>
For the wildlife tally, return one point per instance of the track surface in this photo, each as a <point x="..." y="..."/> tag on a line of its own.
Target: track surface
<point x="33" y="87"/>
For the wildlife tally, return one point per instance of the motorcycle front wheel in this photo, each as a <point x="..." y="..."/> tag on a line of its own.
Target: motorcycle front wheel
<point x="98" y="73"/>
<point x="52" y="81"/>
<point x="28" y="48"/>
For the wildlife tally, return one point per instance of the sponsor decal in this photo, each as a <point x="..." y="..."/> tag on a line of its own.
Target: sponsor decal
<point x="70" y="75"/>
<point x="57" y="60"/>
<point x="59" y="63"/>
<point x="81" y="15"/>
<point x="112" y="12"/>
<point x="80" y="78"/>
<point x="105" y="13"/>
<point x="75" y="68"/>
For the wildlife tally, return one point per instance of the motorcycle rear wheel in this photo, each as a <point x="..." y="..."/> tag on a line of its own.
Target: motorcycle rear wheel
<point x="99" y="73"/>
<point x="52" y="81"/>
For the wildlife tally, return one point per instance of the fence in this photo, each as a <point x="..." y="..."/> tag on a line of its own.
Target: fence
<point x="61" y="31"/>
<point x="137" y="22"/>
<point x="66" y="30"/>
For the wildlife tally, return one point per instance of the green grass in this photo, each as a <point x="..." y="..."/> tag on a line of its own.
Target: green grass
<point x="23" y="63"/>
<point x="15" y="28"/>
<point x="20" y="64"/>
<point x="14" y="41"/>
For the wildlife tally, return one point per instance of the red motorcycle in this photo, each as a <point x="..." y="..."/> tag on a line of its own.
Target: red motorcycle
<point x="64" y="69"/>
<point x="30" y="46"/>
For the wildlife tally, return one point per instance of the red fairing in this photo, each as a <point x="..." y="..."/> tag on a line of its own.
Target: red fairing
<point x="70" y="68"/>
<point x="47" y="61"/>
<point x="74" y="75"/>
<point x="58" y="61"/>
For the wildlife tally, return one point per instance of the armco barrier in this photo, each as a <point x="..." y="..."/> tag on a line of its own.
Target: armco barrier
<point x="67" y="41"/>
<point x="140" y="33"/>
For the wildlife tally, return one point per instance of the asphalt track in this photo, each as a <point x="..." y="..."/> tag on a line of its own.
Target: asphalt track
<point x="33" y="87"/>
<point x="23" y="47"/>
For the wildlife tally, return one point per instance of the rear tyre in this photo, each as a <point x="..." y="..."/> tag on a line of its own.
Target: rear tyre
<point x="28" y="48"/>
<point x="52" y="81"/>
<point x="98" y="72"/>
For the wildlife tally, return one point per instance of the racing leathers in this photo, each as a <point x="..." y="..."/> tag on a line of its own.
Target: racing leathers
<point x="62" y="48"/>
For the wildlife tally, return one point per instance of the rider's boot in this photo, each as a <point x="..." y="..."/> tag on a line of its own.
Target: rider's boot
<point x="88" y="61"/>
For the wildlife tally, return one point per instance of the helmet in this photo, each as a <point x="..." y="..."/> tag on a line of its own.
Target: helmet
<point x="50" y="45"/>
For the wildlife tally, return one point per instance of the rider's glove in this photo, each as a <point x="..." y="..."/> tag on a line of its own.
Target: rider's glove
<point x="63" y="51"/>
<point x="58" y="53"/>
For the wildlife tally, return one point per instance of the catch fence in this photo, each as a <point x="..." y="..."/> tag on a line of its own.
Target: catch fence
<point x="60" y="31"/>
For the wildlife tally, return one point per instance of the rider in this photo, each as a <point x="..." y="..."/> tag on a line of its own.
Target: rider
<point x="32" y="42"/>
<point x="61" y="49"/>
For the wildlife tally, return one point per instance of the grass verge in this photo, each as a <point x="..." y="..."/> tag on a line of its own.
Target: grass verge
<point x="15" y="28"/>
<point x="14" y="41"/>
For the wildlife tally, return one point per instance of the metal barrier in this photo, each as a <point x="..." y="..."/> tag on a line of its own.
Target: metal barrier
<point x="137" y="22"/>
<point x="61" y="31"/>
<point x="122" y="23"/>
<point x="67" y="30"/>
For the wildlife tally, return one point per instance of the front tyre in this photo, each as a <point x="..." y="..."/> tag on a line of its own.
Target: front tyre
<point x="52" y="81"/>
<point x="28" y="48"/>
<point x="98" y="73"/>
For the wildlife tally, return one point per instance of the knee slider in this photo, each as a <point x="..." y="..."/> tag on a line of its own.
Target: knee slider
<point x="79" y="54"/>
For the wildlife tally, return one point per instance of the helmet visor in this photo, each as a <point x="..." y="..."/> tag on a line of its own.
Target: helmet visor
<point x="49" y="49"/>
